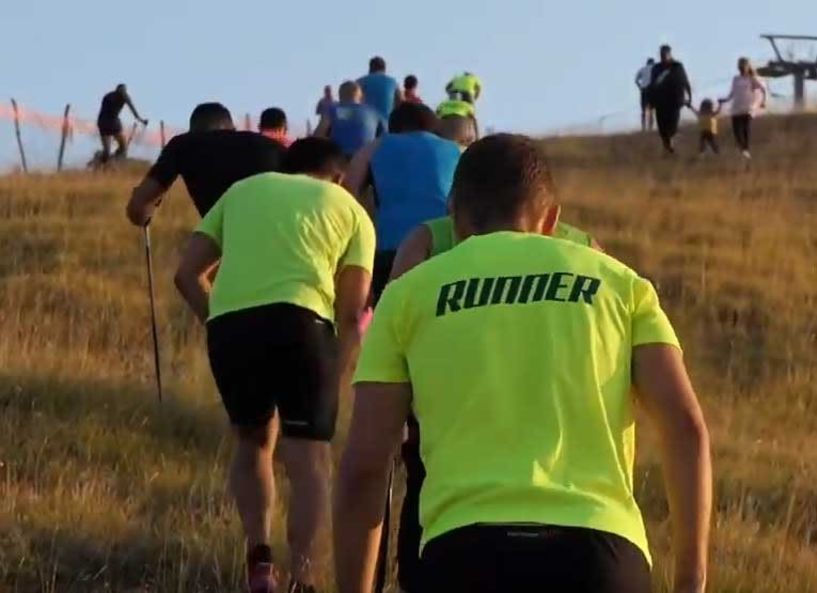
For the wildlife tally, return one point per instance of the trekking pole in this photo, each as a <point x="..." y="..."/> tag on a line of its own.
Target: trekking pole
<point x="149" y="260"/>
<point x="383" y="552"/>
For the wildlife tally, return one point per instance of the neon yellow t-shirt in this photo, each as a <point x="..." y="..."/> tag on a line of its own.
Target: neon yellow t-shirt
<point x="466" y="83"/>
<point x="444" y="238"/>
<point x="518" y="349"/>
<point x="283" y="239"/>
<point x="456" y="107"/>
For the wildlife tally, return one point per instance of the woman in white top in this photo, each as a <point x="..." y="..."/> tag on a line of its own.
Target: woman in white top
<point x="744" y="98"/>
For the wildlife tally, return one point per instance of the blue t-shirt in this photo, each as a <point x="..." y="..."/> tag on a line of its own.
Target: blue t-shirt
<point x="378" y="92"/>
<point x="412" y="173"/>
<point x="353" y="126"/>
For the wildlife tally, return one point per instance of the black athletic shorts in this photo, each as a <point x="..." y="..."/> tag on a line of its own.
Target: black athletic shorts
<point x="278" y="356"/>
<point x="645" y="99"/>
<point x="109" y="126"/>
<point x="383" y="262"/>
<point x="522" y="559"/>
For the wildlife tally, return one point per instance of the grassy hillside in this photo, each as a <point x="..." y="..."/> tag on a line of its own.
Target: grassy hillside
<point x="102" y="489"/>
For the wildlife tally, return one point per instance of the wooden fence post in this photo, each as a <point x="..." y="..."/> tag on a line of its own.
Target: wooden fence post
<point x="65" y="129"/>
<point x="162" y="137"/>
<point x="19" y="137"/>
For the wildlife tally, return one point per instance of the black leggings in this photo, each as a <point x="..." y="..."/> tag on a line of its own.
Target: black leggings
<point x="521" y="559"/>
<point x="667" y="117"/>
<point x="742" y="129"/>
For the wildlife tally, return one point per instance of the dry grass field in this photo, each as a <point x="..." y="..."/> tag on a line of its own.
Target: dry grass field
<point x="102" y="489"/>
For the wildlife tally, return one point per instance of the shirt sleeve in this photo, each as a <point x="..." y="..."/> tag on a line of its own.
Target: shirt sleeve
<point x="650" y="324"/>
<point x="212" y="224"/>
<point x="360" y="250"/>
<point x="383" y="357"/>
<point x="166" y="168"/>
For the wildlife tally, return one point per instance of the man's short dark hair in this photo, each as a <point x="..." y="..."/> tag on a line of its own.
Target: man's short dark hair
<point x="319" y="156"/>
<point x="412" y="117"/>
<point x="665" y="49"/>
<point x="273" y="118"/>
<point x="650" y="61"/>
<point x="377" y="64"/>
<point x="210" y="116"/>
<point x="410" y="83"/>
<point x="498" y="176"/>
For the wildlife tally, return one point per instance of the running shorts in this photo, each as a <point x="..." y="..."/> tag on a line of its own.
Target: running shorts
<point x="521" y="559"/>
<point x="645" y="99"/>
<point x="276" y="357"/>
<point x="109" y="126"/>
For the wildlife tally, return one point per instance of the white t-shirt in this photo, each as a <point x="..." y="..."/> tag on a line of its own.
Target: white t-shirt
<point x="745" y="95"/>
<point x="644" y="77"/>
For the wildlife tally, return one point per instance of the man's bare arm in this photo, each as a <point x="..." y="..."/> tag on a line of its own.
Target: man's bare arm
<point x="357" y="175"/>
<point x="133" y="110"/>
<point x="414" y="250"/>
<point x="352" y="289"/>
<point x="665" y="391"/>
<point x="143" y="201"/>
<point x="376" y="431"/>
<point x="322" y="130"/>
<point x="192" y="278"/>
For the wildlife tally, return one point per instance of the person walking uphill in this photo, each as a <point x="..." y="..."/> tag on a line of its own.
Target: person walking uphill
<point x="296" y="256"/>
<point x="273" y="124"/>
<point x="380" y="91"/>
<point x="410" y="172"/>
<point x="642" y="80"/>
<point x="349" y="123"/>
<point x="746" y="87"/>
<point x="210" y="157"/>
<point x="426" y="241"/>
<point x="109" y="124"/>
<point x="669" y="91"/>
<point x="464" y="87"/>
<point x="528" y="447"/>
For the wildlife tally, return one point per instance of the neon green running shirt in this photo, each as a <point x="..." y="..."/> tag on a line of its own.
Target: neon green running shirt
<point x="443" y="237"/>
<point x="283" y="239"/>
<point x="518" y="349"/>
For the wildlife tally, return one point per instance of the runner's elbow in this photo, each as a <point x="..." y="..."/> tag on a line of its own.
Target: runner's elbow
<point x="183" y="279"/>
<point x="690" y="430"/>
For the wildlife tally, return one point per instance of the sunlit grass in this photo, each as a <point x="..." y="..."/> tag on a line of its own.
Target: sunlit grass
<point x="103" y="489"/>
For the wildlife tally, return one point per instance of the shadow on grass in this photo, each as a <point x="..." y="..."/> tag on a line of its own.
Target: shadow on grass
<point x="58" y="561"/>
<point x="176" y="424"/>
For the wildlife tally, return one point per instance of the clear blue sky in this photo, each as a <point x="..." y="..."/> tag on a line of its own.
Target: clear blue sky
<point x="544" y="65"/>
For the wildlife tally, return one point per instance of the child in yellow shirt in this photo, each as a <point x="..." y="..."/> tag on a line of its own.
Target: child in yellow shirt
<point x="708" y="124"/>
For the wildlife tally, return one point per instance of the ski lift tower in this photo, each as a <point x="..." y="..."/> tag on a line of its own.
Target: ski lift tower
<point x="800" y="69"/>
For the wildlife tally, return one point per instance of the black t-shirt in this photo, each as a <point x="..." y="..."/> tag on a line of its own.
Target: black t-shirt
<point x="669" y="85"/>
<point x="210" y="162"/>
<point x="112" y="104"/>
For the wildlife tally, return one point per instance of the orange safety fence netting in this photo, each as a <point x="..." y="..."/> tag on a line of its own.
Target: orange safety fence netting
<point x="76" y="125"/>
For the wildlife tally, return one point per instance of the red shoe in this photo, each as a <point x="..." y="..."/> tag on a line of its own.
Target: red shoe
<point x="261" y="578"/>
